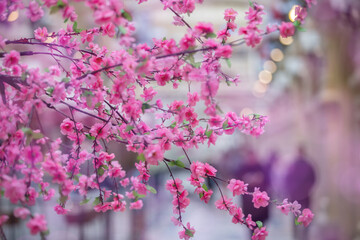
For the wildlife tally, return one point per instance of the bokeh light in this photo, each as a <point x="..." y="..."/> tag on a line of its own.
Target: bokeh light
<point x="265" y="77"/>
<point x="292" y="15"/>
<point x="13" y="16"/>
<point x="270" y="66"/>
<point x="277" y="55"/>
<point x="286" y="41"/>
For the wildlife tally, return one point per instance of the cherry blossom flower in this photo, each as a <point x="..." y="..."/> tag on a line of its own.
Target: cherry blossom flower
<point x="237" y="187"/>
<point x="260" y="199"/>
<point x="306" y="217"/>
<point x="37" y="224"/>
<point x="287" y="29"/>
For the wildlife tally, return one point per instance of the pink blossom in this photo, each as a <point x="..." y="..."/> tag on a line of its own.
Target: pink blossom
<point x="224" y="203"/>
<point x="41" y="34"/>
<point x="204" y="28"/>
<point x="300" y="14"/>
<point x="306" y="217"/>
<point x="109" y="29"/>
<point x="21" y="212"/>
<point x="192" y="99"/>
<point x="223" y="51"/>
<point x="187" y="233"/>
<point x="197" y="169"/>
<point x="69" y="13"/>
<point x="103" y="16"/>
<point x="34" y="11"/>
<point x="99" y="130"/>
<point x="285" y="207"/>
<point x="103" y="207"/>
<point x="311" y="2"/>
<point x="249" y="222"/>
<point x="136" y="205"/>
<point x="237" y="214"/>
<point x="3" y="219"/>
<point x="209" y="170"/>
<point x="260" y="199"/>
<point x="287" y="29"/>
<point x="206" y="195"/>
<point x="271" y="28"/>
<point x="230" y="14"/>
<point x="125" y="182"/>
<point x="162" y="78"/>
<point x="60" y="210"/>
<point x="11" y="58"/>
<point x="148" y="94"/>
<point x="154" y="154"/>
<point x="237" y="187"/>
<point x="174" y="187"/>
<point x="180" y="202"/>
<point x="37" y="224"/>
<point x="49" y="3"/>
<point x="67" y="126"/>
<point x="259" y="234"/>
<point x="15" y="190"/>
<point x="295" y="208"/>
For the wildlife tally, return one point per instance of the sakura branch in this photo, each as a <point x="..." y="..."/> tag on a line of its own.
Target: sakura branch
<point x="106" y="97"/>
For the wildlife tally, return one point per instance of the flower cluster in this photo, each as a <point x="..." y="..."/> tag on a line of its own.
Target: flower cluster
<point x="112" y="97"/>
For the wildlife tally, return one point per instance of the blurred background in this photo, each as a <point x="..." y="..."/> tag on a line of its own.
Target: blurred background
<point x="308" y="85"/>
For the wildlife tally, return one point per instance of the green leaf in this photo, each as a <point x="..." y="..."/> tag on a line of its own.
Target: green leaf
<point x="228" y="62"/>
<point x="208" y="133"/>
<point x="210" y="35"/>
<point x="189" y="232"/>
<point x="63" y="199"/>
<point x="54" y="9"/>
<point x="100" y="171"/>
<point x="122" y="30"/>
<point x="297" y="23"/>
<point x="60" y="4"/>
<point x="205" y="187"/>
<point x="65" y="80"/>
<point x="125" y="14"/>
<point x="259" y="224"/>
<point x="218" y="108"/>
<point x="151" y="189"/>
<point x="177" y="163"/>
<point x="88" y="93"/>
<point x="129" y="128"/>
<point x="145" y="106"/>
<point x="85" y="201"/>
<point x="88" y="136"/>
<point x="173" y="125"/>
<point x="141" y="157"/>
<point x="297" y="223"/>
<point x="137" y="195"/>
<point x="130" y="51"/>
<point x="46" y="233"/>
<point x="26" y="130"/>
<point x="50" y="90"/>
<point x="251" y="4"/>
<point x="74" y="26"/>
<point x="196" y="64"/>
<point x="225" y="124"/>
<point x="37" y="135"/>
<point x="96" y="201"/>
<point x="97" y="105"/>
